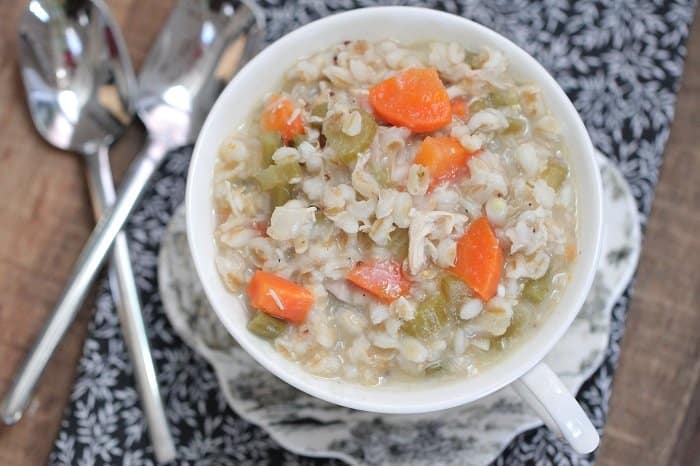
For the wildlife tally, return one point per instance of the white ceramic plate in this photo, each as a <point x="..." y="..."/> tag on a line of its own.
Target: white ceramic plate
<point x="472" y="435"/>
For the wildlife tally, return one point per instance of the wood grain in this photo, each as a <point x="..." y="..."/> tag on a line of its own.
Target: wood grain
<point x="655" y="407"/>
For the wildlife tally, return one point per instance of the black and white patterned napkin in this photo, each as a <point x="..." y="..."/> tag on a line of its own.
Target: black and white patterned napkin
<point x="618" y="60"/>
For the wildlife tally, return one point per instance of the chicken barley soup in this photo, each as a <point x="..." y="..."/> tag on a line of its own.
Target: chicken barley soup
<point x="396" y="211"/>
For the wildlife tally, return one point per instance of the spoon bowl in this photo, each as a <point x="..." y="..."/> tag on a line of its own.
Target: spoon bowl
<point x="77" y="74"/>
<point x="212" y="39"/>
<point x="80" y="87"/>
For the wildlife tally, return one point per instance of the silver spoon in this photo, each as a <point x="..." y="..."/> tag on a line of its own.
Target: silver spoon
<point x="80" y="86"/>
<point x="201" y="46"/>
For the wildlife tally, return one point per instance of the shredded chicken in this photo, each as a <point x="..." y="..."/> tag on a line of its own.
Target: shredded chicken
<point x="529" y="233"/>
<point x="363" y="182"/>
<point x="428" y="226"/>
<point x="488" y="120"/>
<point x="291" y="220"/>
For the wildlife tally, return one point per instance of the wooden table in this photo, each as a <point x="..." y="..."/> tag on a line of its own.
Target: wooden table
<point x="655" y="412"/>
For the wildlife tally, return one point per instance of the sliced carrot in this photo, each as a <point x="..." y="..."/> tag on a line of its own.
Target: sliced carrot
<point x="279" y="297"/>
<point x="277" y="116"/>
<point x="479" y="259"/>
<point x="459" y="108"/>
<point x="414" y="98"/>
<point x="384" y="279"/>
<point x="444" y="157"/>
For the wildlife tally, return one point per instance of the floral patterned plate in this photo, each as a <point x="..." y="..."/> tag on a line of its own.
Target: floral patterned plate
<point x="470" y="435"/>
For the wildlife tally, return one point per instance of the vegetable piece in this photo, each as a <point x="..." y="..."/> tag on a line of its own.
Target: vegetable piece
<point x="320" y="109"/>
<point x="384" y="279"/>
<point x="414" y="98"/>
<point x="270" y="142"/>
<point x="454" y="289"/>
<point x="398" y="244"/>
<point x="504" y="97"/>
<point x="279" y="115"/>
<point x="279" y="297"/>
<point x="431" y="316"/>
<point x="480" y="104"/>
<point x="266" y="326"/>
<point x="554" y="174"/>
<point x="321" y="217"/>
<point x="476" y="60"/>
<point x="460" y="109"/>
<point x="536" y="291"/>
<point x="382" y="176"/>
<point x="515" y="126"/>
<point x="298" y="139"/>
<point x="280" y="195"/>
<point x="278" y="175"/>
<point x="495" y="98"/>
<point x="479" y="260"/>
<point x="347" y="147"/>
<point x="444" y="157"/>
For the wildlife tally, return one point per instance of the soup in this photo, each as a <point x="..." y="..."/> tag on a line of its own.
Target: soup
<point x="396" y="211"/>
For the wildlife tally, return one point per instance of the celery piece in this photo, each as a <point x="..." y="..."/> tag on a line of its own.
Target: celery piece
<point x="280" y="195"/>
<point x="475" y="60"/>
<point x="515" y="126"/>
<point x="270" y="177"/>
<point x="431" y="316"/>
<point x="536" y="291"/>
<point x="480" y="104"/>
<point x="291" y="170"/>
<point x="298" y="139"/>
<point x="266" y="326"/>
<point x="504" y="97"/>
<point x="278" y="175"/>
<point x="554" y="174"/>
<point x="320" y="109"/>
<point x="453" y="289"/>
<point x="382" y="176"/>
<point x="321" y="217"/>
<point x="344" y="146"/>
<point x="270" y="142"/>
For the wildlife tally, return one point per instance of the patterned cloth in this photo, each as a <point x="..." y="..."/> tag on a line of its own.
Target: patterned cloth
<point x="618" y="60"/>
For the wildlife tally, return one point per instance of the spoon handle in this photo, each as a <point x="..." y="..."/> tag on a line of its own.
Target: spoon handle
<point x="126" y="298"/>
<point x="82" y="276"/>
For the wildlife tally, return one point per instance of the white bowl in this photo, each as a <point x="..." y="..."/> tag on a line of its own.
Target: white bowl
<point x="263" y="75"/>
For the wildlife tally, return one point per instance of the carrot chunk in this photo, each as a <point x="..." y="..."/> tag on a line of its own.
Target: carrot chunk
<point x="279" y="297"/>
<point x="460" y="109"/>
<point x="414" y="98"/>
<point x="384" y="279"/>
<point x="277" y="116"/>
<point x="479" y="259"/>
<point x="444" y="157"/>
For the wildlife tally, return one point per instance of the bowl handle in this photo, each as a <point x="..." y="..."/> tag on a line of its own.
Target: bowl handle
<point x="545" y="392"/>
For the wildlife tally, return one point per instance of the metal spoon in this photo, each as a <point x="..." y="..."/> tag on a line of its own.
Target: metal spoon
<point x="80" y="86"/>
<point x="202" y="45"/>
